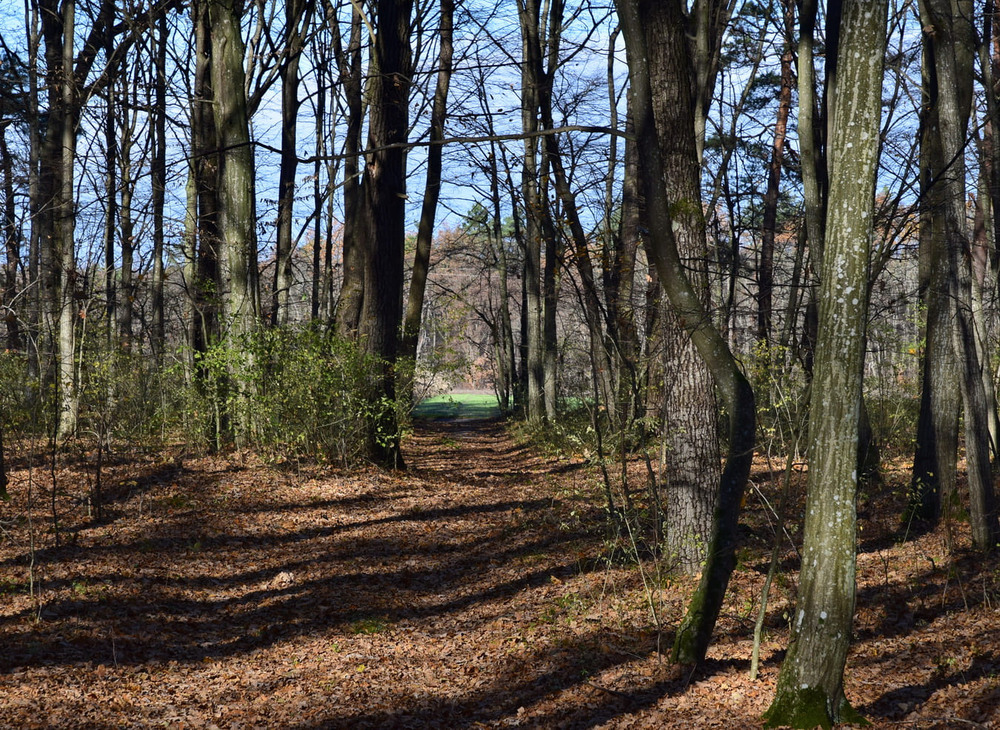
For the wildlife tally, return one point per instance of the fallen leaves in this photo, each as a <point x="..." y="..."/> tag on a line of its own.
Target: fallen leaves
<point x="471" y="591"/>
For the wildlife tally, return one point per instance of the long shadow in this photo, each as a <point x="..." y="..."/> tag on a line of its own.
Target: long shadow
<point x="166" y="598"/>
<point x="519" y="683"/>
<point x="897" y="703"/>
<point x="167" y="606"/>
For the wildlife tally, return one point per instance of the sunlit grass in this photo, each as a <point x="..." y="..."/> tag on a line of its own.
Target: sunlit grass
<point x="458" y="405"/>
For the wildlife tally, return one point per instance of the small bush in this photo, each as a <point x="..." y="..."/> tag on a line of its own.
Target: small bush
<point x="294" y="392"/>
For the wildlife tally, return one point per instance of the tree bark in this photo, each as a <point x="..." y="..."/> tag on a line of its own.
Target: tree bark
<point x="765" y="269"/>
<point x="237" y="219"/>
<point x="695" y="631"/>
<point x="432" y="191"/>
<point x="535" y="208"/>
<point x="383" y="222"/>
<point x="810" y="688"/>
<point x="158" y="182"/>
<point x="296" y="18"/>
<point x="348" y="308"/>
<point x="689" y="409"/>
<point x="65" y="254"/>
<point x="948" y="37"/>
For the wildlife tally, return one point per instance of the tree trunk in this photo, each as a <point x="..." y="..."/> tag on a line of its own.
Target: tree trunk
<point x="765" y="269"/>
<point x="206" y="284"/>
<point x="689" y="410"/>
<point x="383" y="222"/>
<point x="12" y="246"/>
<point x="432" y="191"/>
<point x="237" y="219"/>
<point x="65" y="254"/>
<point x="695" y="631"/>
<point x="948" y="37"/>
<point x="126" y="287"/>
<point x="348" y="308"/>
<point x="529" y="13"/>
<point x="810" y="688"/>
<point x="158" y="182"/>
<point x="296" y="17"/>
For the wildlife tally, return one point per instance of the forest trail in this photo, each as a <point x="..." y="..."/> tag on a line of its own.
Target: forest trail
<point x="480" y="588"/>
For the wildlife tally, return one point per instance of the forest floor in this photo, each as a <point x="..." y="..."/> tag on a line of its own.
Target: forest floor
<point x="480" y="588"/>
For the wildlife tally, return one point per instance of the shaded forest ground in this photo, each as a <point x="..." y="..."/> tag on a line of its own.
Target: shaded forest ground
<point x="482" y="588"/>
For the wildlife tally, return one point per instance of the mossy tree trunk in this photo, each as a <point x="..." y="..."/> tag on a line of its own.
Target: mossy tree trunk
<point x="810" y="688"/>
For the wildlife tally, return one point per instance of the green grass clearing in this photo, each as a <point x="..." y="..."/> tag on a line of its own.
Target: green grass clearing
<point x="458" y="405"/>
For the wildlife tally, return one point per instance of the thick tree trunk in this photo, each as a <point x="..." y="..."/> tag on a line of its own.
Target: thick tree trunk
<point x="810" y="688"/>
<point x="383" y="221"/>
<point x="695" y="632"/>
<point x="948" y="38"/>
<point x="237" y="219"/>
<point x="206" y="283"/>
<point x="689" y="409"/>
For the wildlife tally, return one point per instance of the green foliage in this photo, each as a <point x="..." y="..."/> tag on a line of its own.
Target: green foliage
<point x="299" y="393"/>
<point x="780" y="389"/>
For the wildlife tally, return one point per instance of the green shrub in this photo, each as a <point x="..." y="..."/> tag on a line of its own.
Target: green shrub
<point x="294" y="392"/>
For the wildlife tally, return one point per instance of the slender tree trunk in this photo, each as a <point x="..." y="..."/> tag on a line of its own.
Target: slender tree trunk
<point x="432" y="190"/>
<point x="619" y="285"/>
<point x="529" y="13"/>
<point x="126" y="304"/>
<point x="349" y="303"/>
<point x="296" y="17"/>
<point x="69" y="402"/>
<point x="111" y="196"/>
<point x="810" y="689"/>
<point x="35" y="202"/>
<point x="12" y="246"/>
<point x="765" y="271"/>
<point x="318" y="190"/>
<point x="158" y="182"/>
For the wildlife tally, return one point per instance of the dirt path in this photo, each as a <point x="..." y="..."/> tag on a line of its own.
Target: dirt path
<point x="467" y="592"/>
